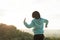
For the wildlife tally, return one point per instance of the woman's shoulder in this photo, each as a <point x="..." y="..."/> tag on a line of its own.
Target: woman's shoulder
<point x="33" y="20"/>
<point x="43" y="19"/>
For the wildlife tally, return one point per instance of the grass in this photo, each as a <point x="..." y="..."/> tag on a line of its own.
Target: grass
<point x="10" y="32"/>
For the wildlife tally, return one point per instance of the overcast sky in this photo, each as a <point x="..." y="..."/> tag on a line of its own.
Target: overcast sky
<point x="14" y="11"/>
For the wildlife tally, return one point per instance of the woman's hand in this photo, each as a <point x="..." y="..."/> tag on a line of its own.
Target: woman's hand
<point x="24" y="20"/>
<point x="46" y="26"/>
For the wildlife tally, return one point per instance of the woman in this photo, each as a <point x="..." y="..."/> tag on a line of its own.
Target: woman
<point x="37" y="23"/>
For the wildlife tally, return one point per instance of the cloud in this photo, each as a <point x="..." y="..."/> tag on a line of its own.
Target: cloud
<point x="2" y="12"/>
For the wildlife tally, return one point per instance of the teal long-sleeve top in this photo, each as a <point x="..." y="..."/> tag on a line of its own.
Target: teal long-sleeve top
<point x="37" y="25"/>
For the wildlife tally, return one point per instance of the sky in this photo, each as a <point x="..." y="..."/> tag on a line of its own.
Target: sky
<point x="13" y="12"/>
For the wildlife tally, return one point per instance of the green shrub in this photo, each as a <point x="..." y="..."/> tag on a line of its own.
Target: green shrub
<point x="10" y="32"/>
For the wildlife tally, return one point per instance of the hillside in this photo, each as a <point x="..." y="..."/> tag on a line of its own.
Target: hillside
<point x="10" y="32"/>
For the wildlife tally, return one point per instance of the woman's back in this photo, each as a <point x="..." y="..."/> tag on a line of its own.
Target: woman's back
<point x="38" y="25"/>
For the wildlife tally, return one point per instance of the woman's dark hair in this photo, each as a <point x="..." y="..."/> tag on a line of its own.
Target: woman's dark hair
<point x="36" y="15"/>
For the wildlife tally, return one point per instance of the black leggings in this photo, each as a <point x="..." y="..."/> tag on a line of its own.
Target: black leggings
<point x="39" y="37"/>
